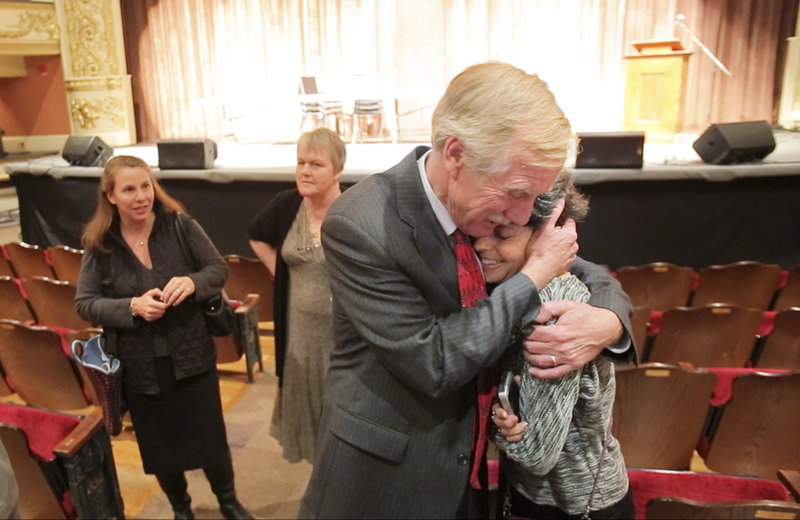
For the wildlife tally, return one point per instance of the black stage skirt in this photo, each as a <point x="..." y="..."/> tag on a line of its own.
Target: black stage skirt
<point x="181" y="428"/>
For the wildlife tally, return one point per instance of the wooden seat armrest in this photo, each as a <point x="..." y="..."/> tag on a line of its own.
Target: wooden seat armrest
<point x="250" y="301"/>
<point x="70" y="444"/>
<point x="791" y="479"/>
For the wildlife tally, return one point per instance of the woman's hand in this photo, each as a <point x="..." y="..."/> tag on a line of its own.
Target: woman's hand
<point x="551" y="249"/>
<point x="509" y="425"/>
<point x="148" y="306"/>
<point x="178" y="288"/>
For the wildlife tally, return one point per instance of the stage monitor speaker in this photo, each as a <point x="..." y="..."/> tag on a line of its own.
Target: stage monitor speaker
<point x="86" y="150"/>
<point x="186" y="154"/>
<point x="728" y="143"/>
<point x="610" y="150"/>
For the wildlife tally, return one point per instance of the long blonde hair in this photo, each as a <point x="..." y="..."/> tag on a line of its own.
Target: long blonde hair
<point x="95" y="231"/>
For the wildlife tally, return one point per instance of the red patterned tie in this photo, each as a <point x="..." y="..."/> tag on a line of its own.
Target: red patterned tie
<point x="472" y="288"/>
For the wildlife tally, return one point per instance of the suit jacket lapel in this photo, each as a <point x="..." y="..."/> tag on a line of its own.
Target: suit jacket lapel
<point x="414" y="209"/>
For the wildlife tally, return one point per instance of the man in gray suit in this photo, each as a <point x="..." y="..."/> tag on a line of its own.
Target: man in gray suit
<point x="397" y="422"/>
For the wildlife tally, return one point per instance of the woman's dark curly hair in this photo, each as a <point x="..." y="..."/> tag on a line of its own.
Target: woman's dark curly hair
<point x="576" y="208"/>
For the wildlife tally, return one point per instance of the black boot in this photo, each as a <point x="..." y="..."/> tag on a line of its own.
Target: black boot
<point x="174" y="486"/>
<point x="220" y="476"/>
<point x="231" y="508"/>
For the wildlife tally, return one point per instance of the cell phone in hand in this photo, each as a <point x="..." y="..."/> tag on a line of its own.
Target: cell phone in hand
<point x="508" y="394"/>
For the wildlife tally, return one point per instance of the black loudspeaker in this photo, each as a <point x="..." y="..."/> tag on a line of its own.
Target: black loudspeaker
<point x="86" y="150"/>
<point x="186" y="154"/>
<point x="729" y="143"/>
<point x="610" y="150"/>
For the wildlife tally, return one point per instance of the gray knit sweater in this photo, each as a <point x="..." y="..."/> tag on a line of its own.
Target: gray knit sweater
<point x="557" y="459"/>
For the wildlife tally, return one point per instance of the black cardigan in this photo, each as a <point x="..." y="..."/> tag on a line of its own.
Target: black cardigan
<point x="271" y="226"/>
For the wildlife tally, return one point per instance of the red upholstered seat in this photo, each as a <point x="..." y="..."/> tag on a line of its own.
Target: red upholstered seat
<point x="648" y="484"/>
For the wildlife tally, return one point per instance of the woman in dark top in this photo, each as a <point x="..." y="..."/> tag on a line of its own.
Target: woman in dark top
<point x="286" y="237"/>
<point x="138" y="283"/>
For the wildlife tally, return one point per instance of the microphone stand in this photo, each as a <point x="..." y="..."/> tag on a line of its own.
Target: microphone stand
<point x="679" y="23"/>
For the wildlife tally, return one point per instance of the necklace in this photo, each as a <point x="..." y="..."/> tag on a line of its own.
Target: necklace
<point x="131" y="239"/>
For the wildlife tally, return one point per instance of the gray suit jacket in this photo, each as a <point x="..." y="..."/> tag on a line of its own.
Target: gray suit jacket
<point x="396" y="426"/>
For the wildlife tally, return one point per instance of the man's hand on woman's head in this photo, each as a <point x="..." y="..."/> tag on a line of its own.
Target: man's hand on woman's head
<point x="551" y="249"/>
<point x="578" y="336"/>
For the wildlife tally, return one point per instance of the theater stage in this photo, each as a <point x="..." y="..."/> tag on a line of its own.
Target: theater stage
<point x="676" y="208"/>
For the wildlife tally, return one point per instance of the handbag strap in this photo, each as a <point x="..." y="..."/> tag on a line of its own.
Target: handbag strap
<point x="184" y="242"/>
<point x="586" y="513"/>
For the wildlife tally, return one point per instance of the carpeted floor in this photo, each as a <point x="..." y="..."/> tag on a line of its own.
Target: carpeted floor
<point x="266" y="484"/>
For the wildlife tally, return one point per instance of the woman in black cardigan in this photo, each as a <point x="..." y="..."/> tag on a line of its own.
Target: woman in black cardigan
<point x="138" y="283"/>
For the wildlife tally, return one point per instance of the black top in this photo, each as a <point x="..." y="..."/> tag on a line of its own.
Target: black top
<point x="271" y="226"/>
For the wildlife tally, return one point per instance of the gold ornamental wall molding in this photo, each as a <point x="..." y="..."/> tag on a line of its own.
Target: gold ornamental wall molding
<point x="83" y="85"/>
<point x="87" y="111"/>
<point x="32" y="23"/>
<point x="91" y="39"/>
<point x="98" y="88"/>
<point x="28" y="29"/>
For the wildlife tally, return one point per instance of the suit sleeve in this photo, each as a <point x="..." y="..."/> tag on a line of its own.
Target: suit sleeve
<point x="606" y="292"/>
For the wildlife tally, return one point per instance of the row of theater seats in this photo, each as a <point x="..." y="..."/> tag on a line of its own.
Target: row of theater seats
<point x="745" y="428"/>
<point x="39" y="287"/>
<point x="719" y="335"/>
<point x="720" y="353"/>
<point x="733" y="315"/>
<point x="20" y="260"/>
<point x="757" y="285"/>
<point x="50" y="419"/>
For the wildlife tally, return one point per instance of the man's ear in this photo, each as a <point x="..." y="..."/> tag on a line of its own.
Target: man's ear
<point x="453" y="155"/>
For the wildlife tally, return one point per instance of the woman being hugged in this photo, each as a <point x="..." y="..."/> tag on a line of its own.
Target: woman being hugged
<point x="144" y="289"/>
<point x="562" y="462"/>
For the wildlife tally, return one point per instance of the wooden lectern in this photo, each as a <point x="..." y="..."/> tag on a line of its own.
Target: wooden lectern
<point x="655" y="83"/>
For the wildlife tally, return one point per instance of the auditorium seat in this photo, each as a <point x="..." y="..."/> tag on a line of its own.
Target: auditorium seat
<point x="758" y="431"/>
<point x="640" y="319"/>
<point x="671" y="508"/>
<point x="745" y="284"/>
<point x="249" y="275"/>
<point x="36" y="497"/>
<point x="789" y="296"/>
<point x="5" y="267"/>
<point x="4" y="389"/>
<point x="781" y="348"/>
<point x="38" y="368"/>
<point x="245" y="340"/>
<point x="15" y="305"/>
<point x="658" y="285"/>
<point x="649" y="484"/>
<point x="63" y="464"/>
<point x="53" y="303"/>
<point x="659" y="413"/>
<point x="27" y="260"/>
<point x="66" y="263"/>
<point x="711" y="336"/>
